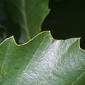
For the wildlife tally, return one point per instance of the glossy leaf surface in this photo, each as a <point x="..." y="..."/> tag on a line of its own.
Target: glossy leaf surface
<point x="42" y="61"/>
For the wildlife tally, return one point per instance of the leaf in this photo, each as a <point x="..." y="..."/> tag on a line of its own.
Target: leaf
<point x="25" y="16"/>
<point x="42" y="61"/>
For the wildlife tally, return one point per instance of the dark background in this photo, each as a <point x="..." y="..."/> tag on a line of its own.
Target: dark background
<point x="66" y="19"/>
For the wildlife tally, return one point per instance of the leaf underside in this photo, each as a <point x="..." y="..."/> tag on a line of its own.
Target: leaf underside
<point x="25" y="17"/>
<point x="42" y="61"/>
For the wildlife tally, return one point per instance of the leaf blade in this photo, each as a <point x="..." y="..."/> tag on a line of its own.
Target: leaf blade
<point x="27" y="14"/>
<point x="42" y="61"/>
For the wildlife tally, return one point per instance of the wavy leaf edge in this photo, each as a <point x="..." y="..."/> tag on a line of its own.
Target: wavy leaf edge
<point x="49" y="32"/>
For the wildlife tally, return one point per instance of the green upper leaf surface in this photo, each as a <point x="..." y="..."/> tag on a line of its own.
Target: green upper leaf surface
<point x="42" y="61"/>
<point x="26" y="15"/>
